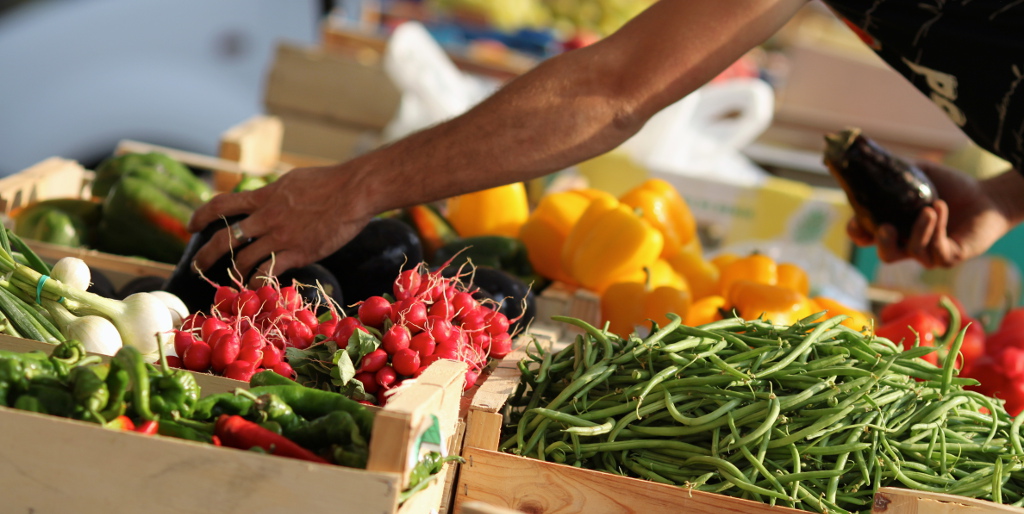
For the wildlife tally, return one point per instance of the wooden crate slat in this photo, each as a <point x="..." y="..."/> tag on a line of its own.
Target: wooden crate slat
<point x="894" y="500"/>
<point x="534" y="486"/>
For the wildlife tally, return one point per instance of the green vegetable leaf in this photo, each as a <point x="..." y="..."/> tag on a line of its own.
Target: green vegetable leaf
<point x="344" y="367"/>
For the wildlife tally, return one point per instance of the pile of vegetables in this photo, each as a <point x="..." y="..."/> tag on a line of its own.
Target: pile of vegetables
<point x="429" y="316"/>
<point x="814" y="415"/>
<point x="274" y="416"/>
<point x="53" y="305"/>
<point x="140" y="206"/>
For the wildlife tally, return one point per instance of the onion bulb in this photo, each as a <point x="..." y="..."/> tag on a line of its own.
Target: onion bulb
<point x="177" y="307"/>
<point x="96" y="333"/>
<point x="72" y="272"/>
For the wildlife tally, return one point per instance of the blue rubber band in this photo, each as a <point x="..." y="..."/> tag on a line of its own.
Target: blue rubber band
<point x="39" y="289"/>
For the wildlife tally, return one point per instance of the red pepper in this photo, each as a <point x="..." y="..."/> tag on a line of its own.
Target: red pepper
<point x="238" y="432"/>
<point x="149" y="427"/>
<point x="121" y="423"/>
<point x="906" y="329"/>
<point x="928" y="302"/>
<point x="1001" y="376"/>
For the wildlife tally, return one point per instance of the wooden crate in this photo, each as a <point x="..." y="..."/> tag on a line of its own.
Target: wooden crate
<point x="559" y="299"/>
<point x="50" y="464"/>
<point x="504" y="480"/>
<point x="369" y="48"/>
<point x="62" y="178"/>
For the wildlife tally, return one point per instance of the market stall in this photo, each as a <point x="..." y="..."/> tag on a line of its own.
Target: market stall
<point x="663" y="327"/>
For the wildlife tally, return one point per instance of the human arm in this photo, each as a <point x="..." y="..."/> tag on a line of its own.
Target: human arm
<point x="969" y="218"/>
<point x="570" y="108"/>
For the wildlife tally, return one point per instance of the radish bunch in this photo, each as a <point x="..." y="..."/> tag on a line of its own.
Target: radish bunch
<point x="247" y="331"/>
<point x="429" y="318"/>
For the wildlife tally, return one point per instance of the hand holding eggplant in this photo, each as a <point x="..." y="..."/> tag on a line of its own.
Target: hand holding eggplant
<point x="964" y="219"/>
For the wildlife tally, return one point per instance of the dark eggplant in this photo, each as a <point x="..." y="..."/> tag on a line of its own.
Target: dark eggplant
<point x="307" y="278"/>
<point x="880" y="187"/>
<point x="369" y="264"/>
<point x="101" y="284"/>
<point x="184" y="282"/>
<point x="143" y="284"/>
<point x="515" y="297"/>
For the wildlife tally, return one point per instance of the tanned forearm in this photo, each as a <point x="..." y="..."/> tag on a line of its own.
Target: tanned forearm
<point x="572" y="107"/>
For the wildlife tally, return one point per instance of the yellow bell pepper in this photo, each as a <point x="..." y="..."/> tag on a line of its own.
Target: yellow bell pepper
<point x="705" y="310"/>
<point x="700" y="274"/>
<point x="857" y="320"/>
<point x="777" y="304"/>
<point x="548" y="226"/>
<point x="664" y="209"/>
<point x="608" y="243"/>
<point x="629" y="303"/>
<point x="755" y="267"/>
<point x="794" y="277"/>
<point x="499" y="211"/>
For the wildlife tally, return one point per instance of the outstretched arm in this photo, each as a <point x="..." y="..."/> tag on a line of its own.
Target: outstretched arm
<point x="570" y="108"/>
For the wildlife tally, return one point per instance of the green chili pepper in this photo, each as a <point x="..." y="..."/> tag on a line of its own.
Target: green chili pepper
<point x="271" y="378"/>
<point x="276" y="410"/>
<point x="211" y="407"/>
<point x="130" y="360"/>
<point x="29" y="403"/>
<point x="315" y="403"/>
<point x="171" y="428"/>
<point x="338" y="427"/>
<point x="90" y="390"/>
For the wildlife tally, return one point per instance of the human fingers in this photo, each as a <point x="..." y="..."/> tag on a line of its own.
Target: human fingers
<point x="224" y="205"/>
<point x="225" y="240"/>
<point x="919" y="241"/>
<point x="858" y="234"/>
<point x="887" y="244"/>
<point x="946" y="252"/>
<point x="259" y="251"/>
<point x="285" y="260"/>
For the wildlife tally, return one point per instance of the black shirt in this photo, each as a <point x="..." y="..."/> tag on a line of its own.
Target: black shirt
<point x="966" y="55"/>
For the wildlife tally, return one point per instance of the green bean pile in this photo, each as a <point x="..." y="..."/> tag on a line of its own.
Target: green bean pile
<point x="815" y="416"/>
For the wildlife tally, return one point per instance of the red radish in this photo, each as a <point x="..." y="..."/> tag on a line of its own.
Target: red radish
<point x="412" y="311"/>
<point x="240" y="370"/>
<point x="327" y="328"/>
<point x="175" y="362"/>
<point x="463" y="303"/>
<point x="247" y="303"/>
<point x="475" y="320"/>
<point x="497" y="323"/>
<point x="224" y="299"/>
<point x="423" y="343"/>
<point x="440" y="328"/>
<point x="215" y="339"/>
<point x="346" y="326"/>
<point x="284" y="369"/>
<point x="225" y="349"/>
<point x="272" y="355"/>
<point x="253" y="338"/>
<point x="395" y="339"/>
<point x="210" y="326"/>
<point x="374" y="361"/>
<point x="307" y="317"/>
<point x="193" y="321"/>
<point x="197" y="357"/>
<point x="251" y="355"/>
<point x="501" y="345"/>
<point x="290" y="299"/>
<point x="182" y="340"/>
<point x="279" y="314"/>
<point x="426" y="361"/>
<point x="406" y="361"/>
<point x="374" y="310"/>
<point x="447" y="351"/>
<point x="481" y="340"/>
<point x="369" y="381"/>
<point x="432" y="289"/>
<point x="386" y="377"/>
<point x="441" y="309"/>
<point x="407" y="284"/>
<point x="471" y="377"/>
<point x="268" y="297"/>
<point x="299" y="334"/>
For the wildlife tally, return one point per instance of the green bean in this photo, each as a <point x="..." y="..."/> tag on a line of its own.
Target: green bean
<point x="769" y="421"/>
<point x="801" y="348"/>
<point x="701" y="419"/>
